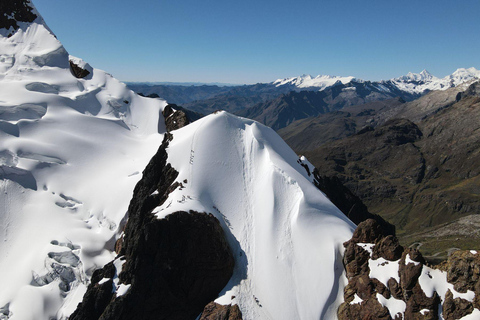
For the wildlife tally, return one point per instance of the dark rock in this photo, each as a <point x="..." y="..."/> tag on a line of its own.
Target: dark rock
<point x="369" y="231"/>
<point x="98" y="296"/>
<point x="472" y="91"/>
<point x="463" y="270"/>
<point x="215" y="311"/>
<point x="419" y="301"/>
<point x="369" y="309"/>
<point x="398" y="132"/>
<point x="174" y="119"/>
<point x="409" y="272"/>
<point x="381" y="288"/>
<point x="363" y="286"/>
<point x="455" y="308"/>
<point x="13" y="11"/>
<point x="388" y="248"/>
<point x="395" y="289"/>
<point x="78" y="71"/>
<point x="355" y="260"/>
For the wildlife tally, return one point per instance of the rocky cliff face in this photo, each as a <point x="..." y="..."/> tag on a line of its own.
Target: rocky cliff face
<point x="387" y="281"/>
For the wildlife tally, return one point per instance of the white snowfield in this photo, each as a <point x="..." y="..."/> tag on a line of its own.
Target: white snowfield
<point x="71" y="151"/>
<point x="415" y="83"/>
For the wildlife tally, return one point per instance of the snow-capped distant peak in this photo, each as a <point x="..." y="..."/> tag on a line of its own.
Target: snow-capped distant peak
<point x="423" y="76"/>
<point x="422" y="82"/>
<point x="462" y="75"/>
<point x="307" y="81"/>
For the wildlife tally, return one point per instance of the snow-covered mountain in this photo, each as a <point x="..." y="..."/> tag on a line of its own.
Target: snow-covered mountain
<point x="73" y="141"/>
<point x="412" y="83"/>
<point x="72" y="150"/>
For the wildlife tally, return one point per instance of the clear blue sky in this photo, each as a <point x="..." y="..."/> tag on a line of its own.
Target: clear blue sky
<point x="247" y="41"/>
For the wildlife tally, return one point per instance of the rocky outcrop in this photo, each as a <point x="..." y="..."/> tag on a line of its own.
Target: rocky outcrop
<point x="13" y="11"/>
<point x="174" y="118"/>
<point x="463" y="269"/>
<point x="78" y="71"/>
<point x="215" y="311"/>
<point x="366" y="296"/>
<point x="168" y="268"/>
<point x="455" y="308"/>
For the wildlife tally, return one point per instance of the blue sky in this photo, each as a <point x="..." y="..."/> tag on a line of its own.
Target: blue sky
<point x="259" y="41"/>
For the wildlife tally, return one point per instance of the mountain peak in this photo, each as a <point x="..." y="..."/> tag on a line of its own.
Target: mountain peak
<point x="426" y="74"/>
<point x="466" y="72"/>
<point x="423" y="76"/>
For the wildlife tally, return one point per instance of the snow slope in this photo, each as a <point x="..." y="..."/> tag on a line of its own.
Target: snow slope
<point x="285" y="234"/>
<point x="70" y="155"/>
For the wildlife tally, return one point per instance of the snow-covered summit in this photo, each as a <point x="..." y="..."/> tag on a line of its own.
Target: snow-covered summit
<point x="423" y="82"/>
<point x="287" y="234"/>
<point x="422" y="76"/>
<point x="307" y="81"/>
<point x="463" y="75"/>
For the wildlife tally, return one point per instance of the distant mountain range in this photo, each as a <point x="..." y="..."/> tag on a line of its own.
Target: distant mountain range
<point x="281" y="102"/>
<point x="413" y="83"/>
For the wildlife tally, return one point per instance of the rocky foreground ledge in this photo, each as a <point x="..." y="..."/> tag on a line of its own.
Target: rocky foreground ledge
<point x="387" y="281"/>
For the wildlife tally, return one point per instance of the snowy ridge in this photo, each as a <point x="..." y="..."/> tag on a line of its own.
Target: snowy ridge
<point x="413" y="83"/>
<point x="307" y="81"/>
<point x="424" y="81"/>
<point x="286" y="236"/>
<point x="70" y="155"/>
